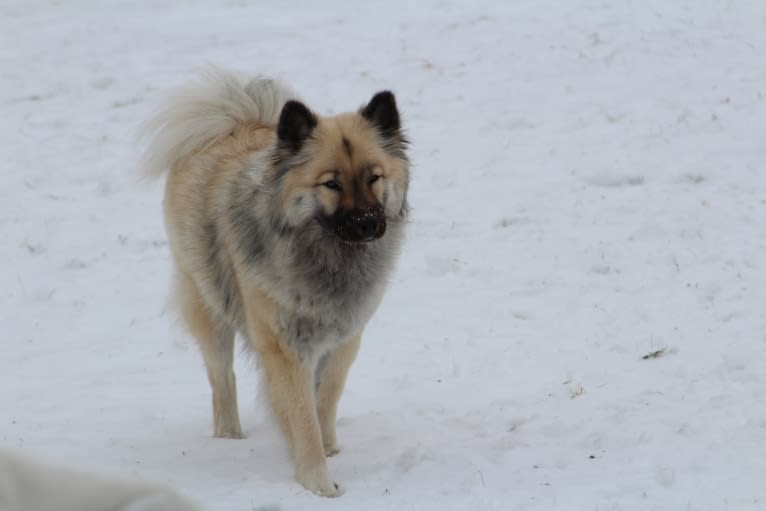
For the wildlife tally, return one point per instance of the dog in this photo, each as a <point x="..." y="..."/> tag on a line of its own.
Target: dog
<point x="284" y="227"/>
<point x="27" y="484"/>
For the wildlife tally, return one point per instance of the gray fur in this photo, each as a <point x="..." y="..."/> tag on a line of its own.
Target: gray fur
<point x="331" y="287"/>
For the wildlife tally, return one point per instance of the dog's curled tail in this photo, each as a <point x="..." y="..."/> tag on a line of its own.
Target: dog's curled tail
<point x="206" y="111"/>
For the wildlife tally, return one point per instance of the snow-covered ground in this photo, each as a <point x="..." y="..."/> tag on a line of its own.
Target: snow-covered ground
<point x="589" y="188"/>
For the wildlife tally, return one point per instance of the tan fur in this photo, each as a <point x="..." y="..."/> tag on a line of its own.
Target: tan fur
<point x="216" y="341"/>
<point x="345" y="148"/>
<point x="290" y="384"/>
<point x="330" y="389"/>
<point x="331" y="161"/>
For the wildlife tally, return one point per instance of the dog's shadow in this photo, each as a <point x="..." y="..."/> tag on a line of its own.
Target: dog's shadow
<point x="378" y="448"/>
<point x="186" y="448"/>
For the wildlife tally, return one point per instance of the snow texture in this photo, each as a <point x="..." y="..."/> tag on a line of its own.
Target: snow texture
<point x="577" y="320"/>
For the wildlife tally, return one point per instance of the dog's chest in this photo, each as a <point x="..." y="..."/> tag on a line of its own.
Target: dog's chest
<point x="330" y="301"/>
<point x="312" y="337"/>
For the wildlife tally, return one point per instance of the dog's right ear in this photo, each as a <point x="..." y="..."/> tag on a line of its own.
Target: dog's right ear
<point x="296" y="122"/>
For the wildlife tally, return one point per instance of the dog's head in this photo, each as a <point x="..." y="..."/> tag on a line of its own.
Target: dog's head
<point x="347" y="173"/>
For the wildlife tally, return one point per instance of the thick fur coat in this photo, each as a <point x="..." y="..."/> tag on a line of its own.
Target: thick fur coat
<point x="284" y="227"/>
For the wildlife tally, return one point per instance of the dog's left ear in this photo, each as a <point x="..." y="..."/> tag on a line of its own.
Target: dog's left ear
<point x="382" y="113"/>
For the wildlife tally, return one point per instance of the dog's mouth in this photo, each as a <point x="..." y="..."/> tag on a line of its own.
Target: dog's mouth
<point x="356" y="226"/>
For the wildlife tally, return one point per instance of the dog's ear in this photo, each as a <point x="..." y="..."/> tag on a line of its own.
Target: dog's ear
<point x="381" y="112"/>
<point x="296" y="122"/>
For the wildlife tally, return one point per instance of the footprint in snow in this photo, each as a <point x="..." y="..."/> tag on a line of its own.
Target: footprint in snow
<point x="606" y="180"/>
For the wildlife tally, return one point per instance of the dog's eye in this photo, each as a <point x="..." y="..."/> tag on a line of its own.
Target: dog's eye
<point x="332" y="185"/>
<point x="374" y="178"/>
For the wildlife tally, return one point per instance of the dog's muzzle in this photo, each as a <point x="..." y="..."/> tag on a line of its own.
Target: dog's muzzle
<point x="358" y="225"/>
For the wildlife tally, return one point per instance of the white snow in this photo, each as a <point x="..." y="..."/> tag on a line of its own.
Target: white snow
<point x="589" y="187"/>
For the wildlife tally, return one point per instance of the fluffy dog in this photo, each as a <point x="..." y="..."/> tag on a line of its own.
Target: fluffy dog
<point x="284" y="227"/>
<point x="29" y="485"/>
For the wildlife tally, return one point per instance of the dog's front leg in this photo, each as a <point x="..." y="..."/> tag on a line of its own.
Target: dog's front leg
<point x="290" y="383"/>
<point x="331" y="382"/>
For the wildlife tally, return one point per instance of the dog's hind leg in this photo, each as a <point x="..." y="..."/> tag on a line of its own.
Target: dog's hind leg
<point x="331" y="379"/>
<point x="216" y="341"/>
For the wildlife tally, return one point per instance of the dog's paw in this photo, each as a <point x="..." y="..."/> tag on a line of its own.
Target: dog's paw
<point x="318" y="482"/>
<point x="336" y="491"/>
<point x="234" y="434"/>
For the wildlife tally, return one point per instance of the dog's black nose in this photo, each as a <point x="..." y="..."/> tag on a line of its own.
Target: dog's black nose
<point x="367" y="227"/>
<point x="359" y="225"/>
<point x="368" y="224"/>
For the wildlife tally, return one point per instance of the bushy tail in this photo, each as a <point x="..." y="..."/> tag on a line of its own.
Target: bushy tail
<point x="205" y="111"/>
